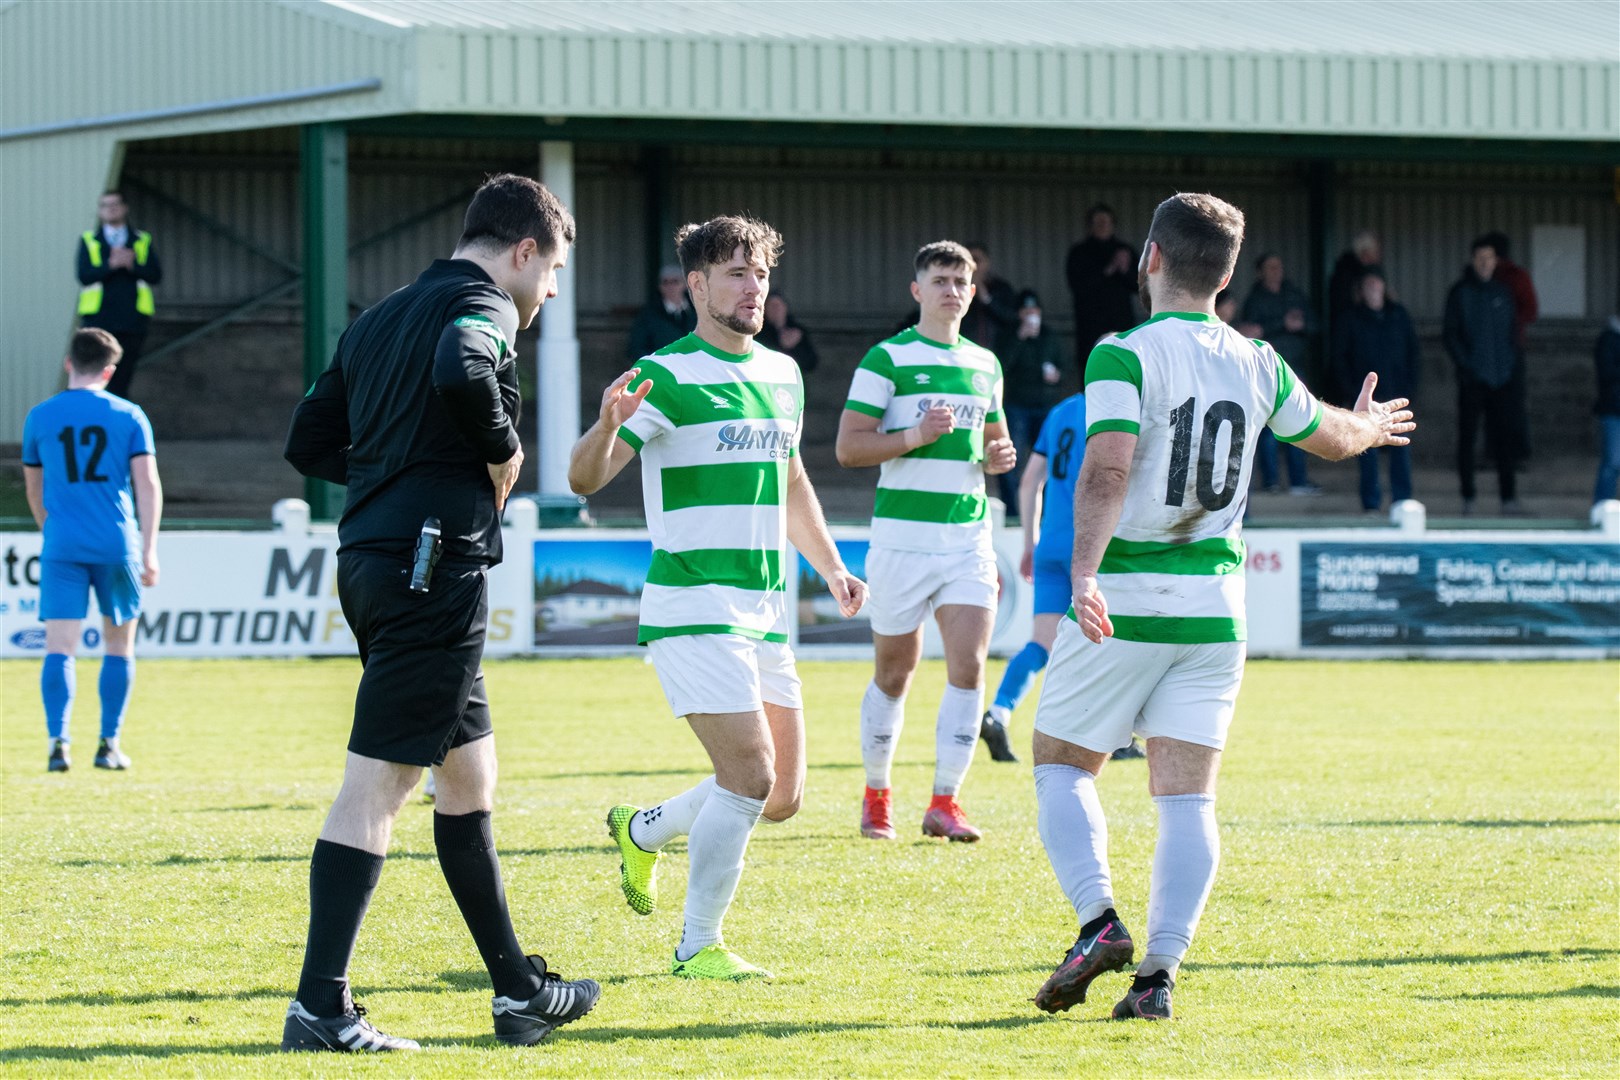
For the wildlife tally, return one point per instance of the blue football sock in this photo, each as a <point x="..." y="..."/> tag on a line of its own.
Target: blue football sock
<point x="1021" y="671"/>
<point x="56" y="684"/>
<point x="117" y="676"/>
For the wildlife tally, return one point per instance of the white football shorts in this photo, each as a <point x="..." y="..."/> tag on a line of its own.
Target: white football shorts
<point x="907" y="585"/>
<point x="725" y="673"/>
<point x="1096" y="695"/>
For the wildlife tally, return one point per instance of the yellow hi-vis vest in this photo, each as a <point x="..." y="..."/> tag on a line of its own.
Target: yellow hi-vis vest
<point x="90" y="295"/>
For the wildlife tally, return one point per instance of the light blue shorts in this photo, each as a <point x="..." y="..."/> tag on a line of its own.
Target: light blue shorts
<point x="64" y="590"/>
<point x="1054" y="592"/>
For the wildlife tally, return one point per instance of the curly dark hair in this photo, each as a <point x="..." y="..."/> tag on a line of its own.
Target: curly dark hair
<point x="700" y="247"/>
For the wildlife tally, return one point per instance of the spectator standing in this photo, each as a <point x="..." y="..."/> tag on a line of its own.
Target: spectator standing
<point x="666" y="319"/>
<point x="117" y="268"/>
<point x="1282" y="311"/>
<point x="992" y="320"/>
<point x="783" y="333"/>
<point x="1364" y="253"/>
<point x="1526" y="308"/>
<point x="1607" y="356"/>
<point x="1479" y="337"/>
<point x="1377" y="336"/>
<point x="1032" y="370"/>
<point x="1101" y="270"/>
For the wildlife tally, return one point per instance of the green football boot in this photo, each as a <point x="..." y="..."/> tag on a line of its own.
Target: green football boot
<point x="638" y="869"/>
<point x="717" y="962"/>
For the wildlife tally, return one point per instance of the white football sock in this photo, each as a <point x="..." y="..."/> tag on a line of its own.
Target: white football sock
<point x="882" y="717"/>
<point x="956" y="736"/>
<point x="716" y="844"/>
<point x="1001" y="714"/>
<point x="1075" y="835"/>
<point x="652" y="828"/>
<point x="1184" y="862"/>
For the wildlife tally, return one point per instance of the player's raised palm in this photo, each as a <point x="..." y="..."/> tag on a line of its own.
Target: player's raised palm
<point x="618" y="405"/>
<point x="1392" y="418"/>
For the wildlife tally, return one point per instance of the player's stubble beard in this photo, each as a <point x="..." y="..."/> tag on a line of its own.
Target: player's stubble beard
<point x="736" y="324"/>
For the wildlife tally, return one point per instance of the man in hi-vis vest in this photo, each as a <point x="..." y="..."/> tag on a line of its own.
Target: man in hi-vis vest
<point x="117" y="268"/>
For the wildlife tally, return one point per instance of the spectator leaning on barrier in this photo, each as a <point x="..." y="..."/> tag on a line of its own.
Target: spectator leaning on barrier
<point x="1377" y="335"/>
<point x="1101" y="271"/>
<point x="783" y="333"/>
<point x="1607" y="407"/>
<point x="668" y="318"/>
<point x="1283" y="312"/>
<point x="1032" y="370"/>
<point x="1479" y="337"/>
<point x="117" y="268"/>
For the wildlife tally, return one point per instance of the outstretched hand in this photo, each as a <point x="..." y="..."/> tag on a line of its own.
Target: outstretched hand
<point x="1392" y="419"/>
<point x="619" y="406"/>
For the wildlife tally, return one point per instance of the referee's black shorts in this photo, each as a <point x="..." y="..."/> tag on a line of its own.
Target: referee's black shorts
<point x="422" y="692"/>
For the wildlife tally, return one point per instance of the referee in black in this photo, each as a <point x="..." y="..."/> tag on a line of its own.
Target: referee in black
<point x="417" y="415"/>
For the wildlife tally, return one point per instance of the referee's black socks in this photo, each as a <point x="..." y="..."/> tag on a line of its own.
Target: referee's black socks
<point x="341" y="881"/>
<point x="466" y="846"/>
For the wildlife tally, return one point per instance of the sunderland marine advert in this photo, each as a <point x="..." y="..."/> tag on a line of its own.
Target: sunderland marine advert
<point x="235" y="594"/>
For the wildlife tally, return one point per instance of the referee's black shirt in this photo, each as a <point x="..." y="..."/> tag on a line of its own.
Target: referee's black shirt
<point x="421" y="397"/>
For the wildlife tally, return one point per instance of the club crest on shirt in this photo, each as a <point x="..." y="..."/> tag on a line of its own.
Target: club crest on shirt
<point x="981" y="385"/>
<point x="784" y="399"/>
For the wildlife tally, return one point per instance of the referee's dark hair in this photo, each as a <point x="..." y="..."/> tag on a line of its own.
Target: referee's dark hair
<point x="92" y="349"/>
<point x="508" y="209"/>
<point x="1199" y="237"/>
<point x="700" y="247"/>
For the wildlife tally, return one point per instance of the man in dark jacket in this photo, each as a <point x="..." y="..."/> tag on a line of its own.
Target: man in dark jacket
<point x="666" y="319"/>
<point x="1031" y="370"/>
<point x="1283" y="312"/>
<point x="1365" y="253"/>
<point x="1101" y="270"/>
<point x="1479" y="337"/>
<point x="118" y="265"/>
<point x="992" y="319"/>
<point x="1607" y="356"/>
<point x="1377" y="335"/>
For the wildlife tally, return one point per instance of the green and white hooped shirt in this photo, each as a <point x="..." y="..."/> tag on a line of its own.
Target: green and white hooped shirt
<point x="1196" y="393"/>
<point x="715" y="435"/>
<point x="931" y="498"/>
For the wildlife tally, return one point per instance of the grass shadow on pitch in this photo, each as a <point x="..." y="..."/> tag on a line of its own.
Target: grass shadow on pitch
<point x="447" y="982"/>
<point x="1348" y="962"/>
<point x="779" y="1030"/>
<point x="303" y="857"/>
<point x="1587" y="990"/>
<point x="1475" y="823"/>
<point x="130" y="1050"/>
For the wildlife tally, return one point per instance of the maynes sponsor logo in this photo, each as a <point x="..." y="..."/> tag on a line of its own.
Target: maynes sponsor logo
<point x="776" y="442"/>
<point x="968" y="416"/>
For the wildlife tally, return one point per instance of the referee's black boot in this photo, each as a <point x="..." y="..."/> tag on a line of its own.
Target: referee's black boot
<point x="557" y="1002"/>
<point x="348" y="1033"/>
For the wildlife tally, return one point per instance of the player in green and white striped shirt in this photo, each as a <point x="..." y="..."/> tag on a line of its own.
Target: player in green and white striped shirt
<point x="716" y="420"/>
<point x="926" y="405"/>
<point x="1155" y="640"/>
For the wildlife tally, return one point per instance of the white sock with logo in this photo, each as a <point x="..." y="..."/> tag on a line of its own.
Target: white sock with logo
<point x="1184" y="862"/>
<point x="716" y="844"/>
<point x="656" y="826"/>
<point x="1075" y="835"/>
<point x="956" y="736"/>
<point x="882" y="717"/>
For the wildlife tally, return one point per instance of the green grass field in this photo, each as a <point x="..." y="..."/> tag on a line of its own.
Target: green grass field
<point x="1419" y="878"/>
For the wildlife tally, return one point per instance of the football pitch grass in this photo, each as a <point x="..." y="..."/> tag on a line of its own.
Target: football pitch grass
<point x="1418" y="878"/>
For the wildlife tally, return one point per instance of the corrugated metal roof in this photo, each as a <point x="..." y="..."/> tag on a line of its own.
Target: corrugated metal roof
<point x="1481" y="29"/>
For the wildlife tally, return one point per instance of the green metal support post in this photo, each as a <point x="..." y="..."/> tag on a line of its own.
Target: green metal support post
<point x="324" y="175"/>
<point x="1321" y="211"/>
